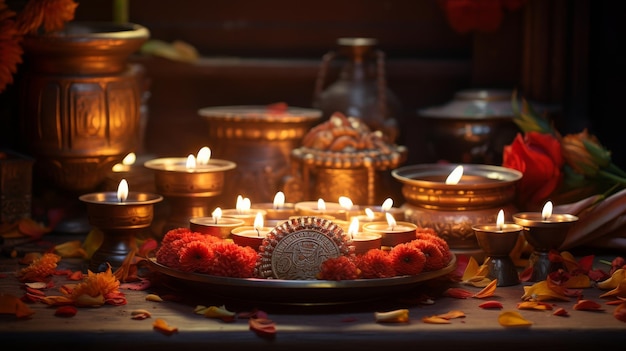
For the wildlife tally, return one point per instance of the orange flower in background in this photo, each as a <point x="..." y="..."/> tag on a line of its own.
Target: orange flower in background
<point x="47" y="15"/>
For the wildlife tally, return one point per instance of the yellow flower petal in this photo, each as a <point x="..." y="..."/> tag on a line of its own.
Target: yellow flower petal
<point x="487" y="291"/>
<point x="619" y="290"/>
<point x="540" y="291"/>
<point x="435" y="320"/>
<point x="470" y="270"/>
<point x="395" y="316"/>
<point x="154" y="297"/>
<point x="218" y="312"/>
<point x="580" y="281"/>
<point x="612" y="282"/>
<point x="513" y="319"/>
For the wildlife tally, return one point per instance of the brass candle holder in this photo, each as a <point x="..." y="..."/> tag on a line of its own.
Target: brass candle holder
<point x="188" y="190"/>
<point x="453" y="209"/>
<point x="120" y="222"/>
<point x="497" y="241"/>
<point x="544" y="232"/>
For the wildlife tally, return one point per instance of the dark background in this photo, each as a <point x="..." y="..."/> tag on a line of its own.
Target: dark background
<point x="555" y="52"/>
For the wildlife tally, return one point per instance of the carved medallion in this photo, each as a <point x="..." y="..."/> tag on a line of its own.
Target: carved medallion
<point x="296" y="249"/>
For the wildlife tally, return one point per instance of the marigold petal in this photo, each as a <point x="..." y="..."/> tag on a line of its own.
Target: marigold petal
<point x="470" y="270"/>
<point x="458" y="293"/>
<point x="561" y="312"/>
<point x="487" y="291"/>
<point x="395" y="316"/>
<point x="263" y="327"/>
<point x="140" y="314"/>
<point x="66" y="311"/>
<point x="534" y="305"/>
<point x="10" y="304"/>
<point x="612" y="282"/>
<point x="162" y="326"/>
<point x="491" y="304"/>
<point x="541" y="291"/>
<point x="57" y="300"/>
<point x="154" y="297"/>
<point x="579" y="281"/>
<point x="588" y="305"/>
<point x="435" y="320"/>
<point x="620" y="312"/>
<point x="618" y="291"/>
<point x="452" y="314"/>
<point x="513" y="319"/>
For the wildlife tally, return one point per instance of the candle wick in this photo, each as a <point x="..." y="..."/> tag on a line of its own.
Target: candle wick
<point x="215" y="221"/>
<point x="258" y="233"/>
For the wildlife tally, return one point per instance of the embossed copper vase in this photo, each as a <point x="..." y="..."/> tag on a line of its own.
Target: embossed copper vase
<point x="259" y="139"/>
<point x="80" y="101"/>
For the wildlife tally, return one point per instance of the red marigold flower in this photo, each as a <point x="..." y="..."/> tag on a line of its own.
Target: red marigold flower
<point x="40" y="268"/>
<point x="407" y="259"/>
<point x="431" y="235"/>
<point x="195" y="257"/>
<point x="434" y="257"/>
<point x="338" y="268"/>
<point x="167" y="255"/>
<point x="174" y="234"/>
<point x="232" y="260"/>
<point x="375" y="264"/>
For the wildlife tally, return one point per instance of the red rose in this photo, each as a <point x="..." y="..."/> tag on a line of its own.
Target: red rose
<point x="538" y="156"/>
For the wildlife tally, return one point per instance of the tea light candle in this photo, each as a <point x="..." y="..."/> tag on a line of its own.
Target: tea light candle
<point x="244" y="211"/>
<point x="251" y="235"/>
<point x="215" y="225"/>
<point x="362" y="242"/>
<point x="321" y="208"/>
<point x="131" y="168"/>
<point x="377" y="213"/>
<point x="277" y="211"/>
<point x="392" y="232"/>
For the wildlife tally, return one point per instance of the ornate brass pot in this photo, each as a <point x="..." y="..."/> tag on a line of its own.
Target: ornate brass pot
<point x="259" y="140"/>
<point x="80" y="101"/>
<point x="453" y="209"/>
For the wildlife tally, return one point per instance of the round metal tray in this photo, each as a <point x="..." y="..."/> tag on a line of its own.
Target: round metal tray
<point x="300" y="292"/>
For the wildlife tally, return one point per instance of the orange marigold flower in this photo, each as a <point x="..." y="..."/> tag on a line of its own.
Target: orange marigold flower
<point x="40" y="268"/>
<point x="97" y="284"/>
<point x="434" y="257"/>
<point x="338" y="268"/>
<point x="407" y="259"/>
<point x="232" y="260"/>
<point x="375" y="264"/>
<point x="195" y="257"/>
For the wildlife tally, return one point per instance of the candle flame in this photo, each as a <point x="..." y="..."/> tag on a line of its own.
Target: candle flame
<point x="546" y="212"/>
<point x="500" y="219"/>
<point x="369" y="213"/>
<point x="243" y="204"/>
<point x="204" y="155"/>
<point x="345" y="202"/>
<point x="279" y="200"/>
<point x="354" y="227"/>
<point x="191" y="162"/>
<point x="455" y="175"/>
<point x="129" y="159"/>
<point x="258" y="221"/>
<point x="321" y="205"/>
<point x="122" y="191"/>
<point x="390" y="220"/>
<point x="217" y="214"/>
<point x="387" y="205"/>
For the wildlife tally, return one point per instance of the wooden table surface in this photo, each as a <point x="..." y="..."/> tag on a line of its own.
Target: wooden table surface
<point x="322" y="327"/>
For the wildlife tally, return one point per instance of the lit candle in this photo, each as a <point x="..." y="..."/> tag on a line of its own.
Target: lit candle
<point x="544" y="231"/>
<point x="278" y="210"/>
<point x="137" y="176"/>
<point x="215" y="225"/>
<point x="497" y="241"/>
<point x="252" y="236"/>
<point x="377" y="213"/>
<point x="119" y="215"/>
<point x="328" y="210"/>
<point x="392" y="231"/>
<point x="362" y="242"/>
<point x="243" y="210"/>
<point x="203" y="163"/>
